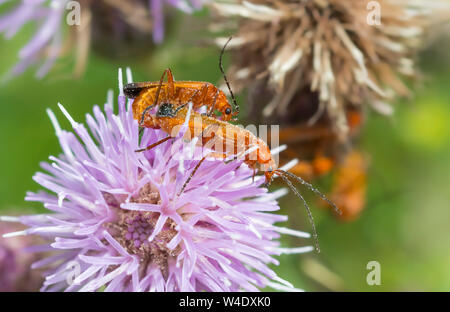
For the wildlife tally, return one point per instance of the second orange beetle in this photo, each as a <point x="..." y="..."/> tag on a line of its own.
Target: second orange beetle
<point x="201" y="94"/>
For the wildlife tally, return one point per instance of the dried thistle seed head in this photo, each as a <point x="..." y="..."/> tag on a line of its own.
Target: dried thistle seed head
<point x="333" y="48"/>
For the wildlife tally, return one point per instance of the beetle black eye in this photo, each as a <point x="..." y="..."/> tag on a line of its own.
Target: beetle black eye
<point x="228" y="111"/>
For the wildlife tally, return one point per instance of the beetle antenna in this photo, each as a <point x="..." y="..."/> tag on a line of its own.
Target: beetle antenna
<point x="236" y="106"/>
<point x="312" y="188"/>
<point x="284" y="175"/>
<point x="310" y="216"/>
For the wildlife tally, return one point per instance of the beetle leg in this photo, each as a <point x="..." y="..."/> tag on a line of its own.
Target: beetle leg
<point x="208" y="144"/>
<point x="169" y="74"/>
<point x="153" y="145"/>
<point x="211" y="111"/>
<point x="180" y="107"/>
<point x="170" y="83"/>
<point x="213" y="154"/>
<point x="141" y="122"/>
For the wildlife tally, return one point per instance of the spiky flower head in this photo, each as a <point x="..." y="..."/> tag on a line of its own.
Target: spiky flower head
<point x="343" y="53"/>
<point x="54" y="17"/>
<point x="116" y="216"/>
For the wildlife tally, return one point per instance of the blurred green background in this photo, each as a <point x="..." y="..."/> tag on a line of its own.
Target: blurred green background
<point x="405" y="225"/>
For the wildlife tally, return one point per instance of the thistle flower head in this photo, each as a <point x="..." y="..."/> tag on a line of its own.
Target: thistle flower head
<point x="49" y="41"/>
<point x="118" y="218"/>
<point x="344" y="53"/>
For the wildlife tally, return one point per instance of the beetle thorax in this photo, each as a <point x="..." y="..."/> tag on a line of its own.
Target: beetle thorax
<point x="165" y="110"/>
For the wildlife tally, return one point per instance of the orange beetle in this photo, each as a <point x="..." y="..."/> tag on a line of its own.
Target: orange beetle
<point x="178" y="92"/>
<point x="227" y="140"/>
<point x="350" y="186"/>
<point x="202" y="94"/>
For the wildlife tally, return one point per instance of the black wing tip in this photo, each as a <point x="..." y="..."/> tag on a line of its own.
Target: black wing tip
<point x="132" y="90"/>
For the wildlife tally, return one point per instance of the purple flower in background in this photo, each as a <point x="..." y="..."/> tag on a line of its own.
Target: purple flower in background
<point x="15" y="271"/>
<point x="117" y="219"/>
<point x="51" y="17"/>
<point x="156" y="8"/>
<point x="46" y="40"/>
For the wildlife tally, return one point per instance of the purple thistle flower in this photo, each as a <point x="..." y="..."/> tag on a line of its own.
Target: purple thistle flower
<point x="116" y="215"/>
<point x="50" y="17"/>
<point x="156" y="8"/>
<point x="15" y="271"/>
<point x="48" y="36"/>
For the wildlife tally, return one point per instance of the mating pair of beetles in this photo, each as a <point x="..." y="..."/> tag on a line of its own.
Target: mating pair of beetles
<point x="171" y="100"/>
